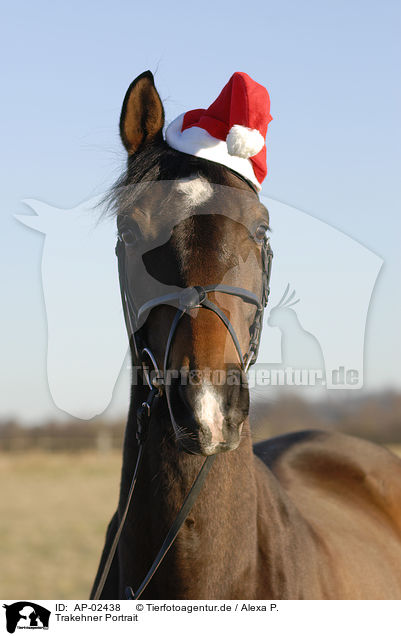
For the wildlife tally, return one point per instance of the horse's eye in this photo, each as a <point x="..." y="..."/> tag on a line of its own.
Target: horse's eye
<point x="128" y="236"/>
<point x="260" y="233"/>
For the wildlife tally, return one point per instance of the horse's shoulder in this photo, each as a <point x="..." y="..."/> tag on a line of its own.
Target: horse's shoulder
<point x="333" y="461"/>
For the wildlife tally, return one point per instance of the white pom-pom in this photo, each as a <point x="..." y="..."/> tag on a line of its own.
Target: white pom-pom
<point x="244" y="142"/>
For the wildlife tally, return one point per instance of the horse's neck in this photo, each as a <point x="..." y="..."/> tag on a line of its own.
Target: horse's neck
<point x="222" y="529"/>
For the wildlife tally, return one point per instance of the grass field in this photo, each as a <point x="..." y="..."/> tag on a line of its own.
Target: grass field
<point x="54" y="509"/>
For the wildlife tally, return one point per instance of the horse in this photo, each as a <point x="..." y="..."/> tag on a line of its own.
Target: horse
<point x="308" y="515"/>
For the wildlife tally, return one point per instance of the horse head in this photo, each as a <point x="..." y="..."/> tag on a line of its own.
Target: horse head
<point x="195" y="229"/>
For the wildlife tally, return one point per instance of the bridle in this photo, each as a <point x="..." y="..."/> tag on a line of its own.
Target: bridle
<point x="186" y="299"/>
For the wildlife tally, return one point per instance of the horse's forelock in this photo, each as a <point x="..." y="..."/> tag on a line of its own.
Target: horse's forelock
<point x="158" y="162"/>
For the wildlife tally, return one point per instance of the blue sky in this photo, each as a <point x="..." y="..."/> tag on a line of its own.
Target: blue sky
<point x="332" y="71"/>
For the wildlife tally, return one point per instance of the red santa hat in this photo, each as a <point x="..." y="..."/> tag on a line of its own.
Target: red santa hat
<point x="231" y="131"/>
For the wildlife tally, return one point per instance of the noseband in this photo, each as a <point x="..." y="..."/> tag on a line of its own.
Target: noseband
<point x="185" y="300"/>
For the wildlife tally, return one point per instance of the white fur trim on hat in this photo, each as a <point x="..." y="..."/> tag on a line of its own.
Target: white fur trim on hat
<point x="198" y="142"/>
<point x="244" y="142"/>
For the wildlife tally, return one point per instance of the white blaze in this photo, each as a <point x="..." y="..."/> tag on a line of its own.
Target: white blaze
<point x="196" y="190"/>
<point x="209" y="413"/>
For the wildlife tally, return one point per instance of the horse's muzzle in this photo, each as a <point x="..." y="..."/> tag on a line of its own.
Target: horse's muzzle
<point x="209" y="415"/>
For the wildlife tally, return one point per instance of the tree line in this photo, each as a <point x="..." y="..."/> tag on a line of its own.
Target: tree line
<point x="376" y="417"/>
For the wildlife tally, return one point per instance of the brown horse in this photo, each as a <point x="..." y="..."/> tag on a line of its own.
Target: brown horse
<point x="310" y="515"/>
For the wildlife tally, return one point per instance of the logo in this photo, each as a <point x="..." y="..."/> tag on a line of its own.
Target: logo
<point x="26" y="615"/>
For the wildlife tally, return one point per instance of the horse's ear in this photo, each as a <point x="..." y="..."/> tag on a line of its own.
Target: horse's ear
<point x="142" y="114"/>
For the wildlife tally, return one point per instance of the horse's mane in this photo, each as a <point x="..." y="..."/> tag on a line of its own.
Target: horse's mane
<point x="158" y="162"/>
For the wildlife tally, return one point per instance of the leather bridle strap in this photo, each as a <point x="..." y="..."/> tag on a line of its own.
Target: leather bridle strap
<point x="143" y="420"/>
<point x="114" y="545"/>
<point x="186" y="297"/>
<point x="175" y="528"/>
<point x="209" y="305"/>
<point x="196" y="297"/>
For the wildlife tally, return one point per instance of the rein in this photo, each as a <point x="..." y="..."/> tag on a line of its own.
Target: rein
<point x="187" y="299"/>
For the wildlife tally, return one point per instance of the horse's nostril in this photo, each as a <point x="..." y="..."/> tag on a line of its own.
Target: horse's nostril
<point x="233" y="394"/>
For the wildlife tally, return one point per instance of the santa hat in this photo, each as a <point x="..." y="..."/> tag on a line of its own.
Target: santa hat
<point x="231" y="131"/>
